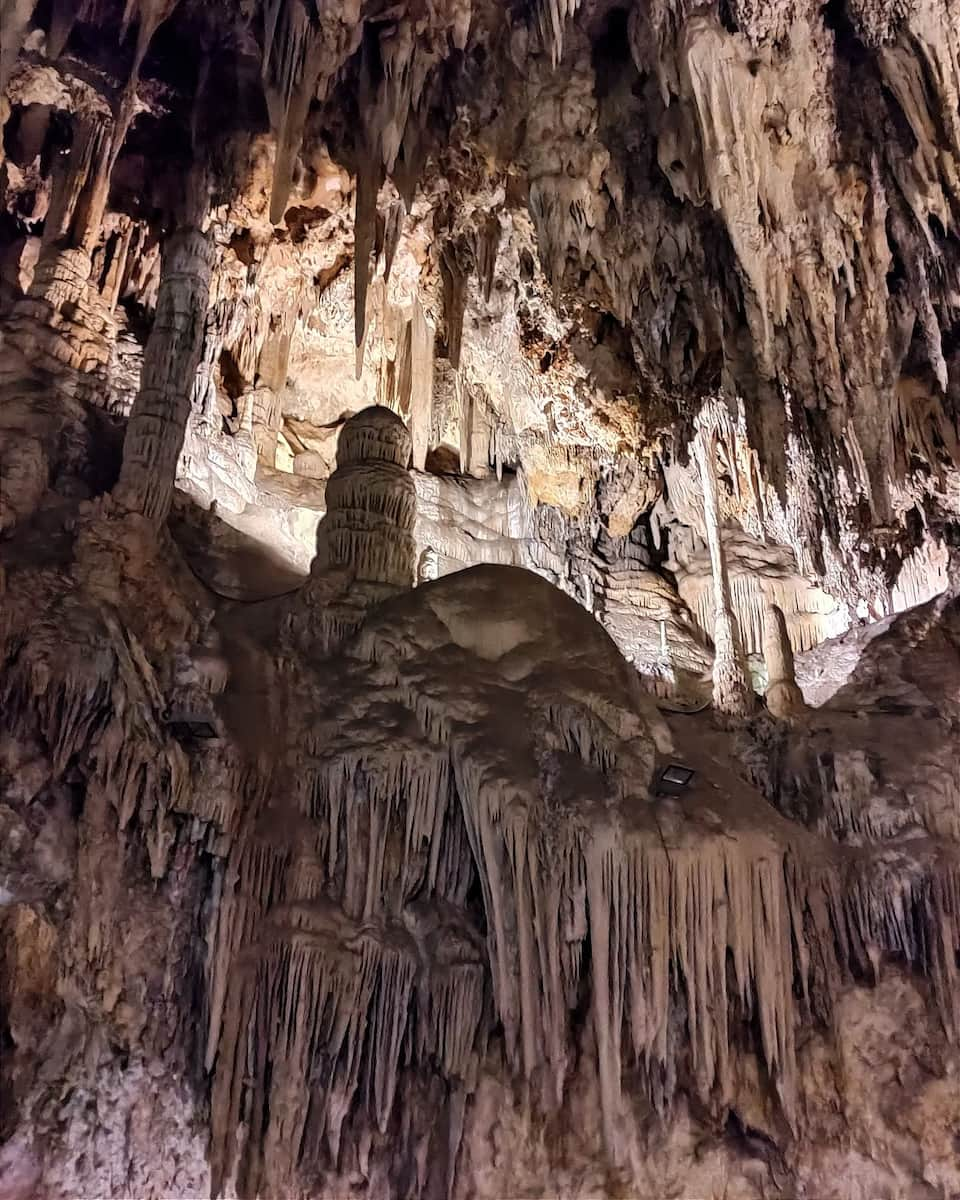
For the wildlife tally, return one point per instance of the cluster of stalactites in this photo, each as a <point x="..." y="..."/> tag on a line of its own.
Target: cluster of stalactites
<point x="332" y="1008"/>
<point x="392" y="84"/>
<point x="811" y="614"/>
<point x="552" y="17"/>
<point x="343" y="954"/>
<point x="677" y="926"/>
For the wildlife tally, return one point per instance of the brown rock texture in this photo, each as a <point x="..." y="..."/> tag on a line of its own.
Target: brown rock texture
<point x="426" y="431"/>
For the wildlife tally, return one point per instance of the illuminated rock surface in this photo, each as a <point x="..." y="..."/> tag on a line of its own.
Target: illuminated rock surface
<point x="419" y="427"/>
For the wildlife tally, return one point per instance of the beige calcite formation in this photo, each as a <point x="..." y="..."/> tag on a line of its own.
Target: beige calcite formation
<point x="464" y="522"/>
<point x="158" y="419"/>
<point x="337" y="852"/>
<point x="878" y="1035"/>
<point x="365" y="547"/>
<point x="760" y="574"/>
<point x="783" y="697"/>
<point x="654" y="630"/>
<point x="732" y="692"/>
<point x="478" y="746"/>
<point x="371" y="502"/>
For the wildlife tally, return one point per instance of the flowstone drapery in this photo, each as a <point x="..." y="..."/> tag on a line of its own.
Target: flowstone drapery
<point x="445" y="860"/>
<point x="465" y="834"/>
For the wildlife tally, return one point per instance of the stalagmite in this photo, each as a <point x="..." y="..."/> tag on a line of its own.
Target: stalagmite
<point x="159" y="417"/>
<point x="370" y="503"/>
<point x="784" y="698"/>
<point x="266" y="418"/>
<point x="732" y="693"/>
<point x="366" y="550"/>
<point x="271" y="377"/>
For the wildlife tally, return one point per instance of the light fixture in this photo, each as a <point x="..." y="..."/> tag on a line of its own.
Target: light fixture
<point x="673" y="779"/>
<point x="190" y="723"/>
<point x="186" y="731"/>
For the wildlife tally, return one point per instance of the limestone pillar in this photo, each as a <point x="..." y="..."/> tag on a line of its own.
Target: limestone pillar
<point x="159" y="416"/>
<point x="732" y="693"/>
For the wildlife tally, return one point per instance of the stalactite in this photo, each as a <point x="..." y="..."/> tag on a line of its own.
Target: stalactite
<point x="116" y="272"/>
<point x="293" y="56"/>
<point x="62" y="19"/>
<point x="159" y="417"/>
<point x="923" y="576"/>
<point x="369" y="178"/>
<point x="466" y="400"/>
<point x="79" y="193"/>
<point x="488" y="245"/>
<point x="342" y="953"/>
<point x="552" y="16"/>
<point x="811" y="615"/>
<point x="391" y="236"/>
<point x="151" y="14"/>
<point x="410" y="162"/>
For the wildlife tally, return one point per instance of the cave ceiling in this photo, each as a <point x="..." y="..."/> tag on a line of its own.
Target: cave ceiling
<point x="605" y="215"/>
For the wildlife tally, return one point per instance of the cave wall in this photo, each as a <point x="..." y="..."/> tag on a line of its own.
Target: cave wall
<point x="658" y="302"/>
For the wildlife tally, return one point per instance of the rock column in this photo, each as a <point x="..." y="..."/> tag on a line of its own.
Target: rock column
<point x="732" y="693"/>
<point x="159" y="416"/>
